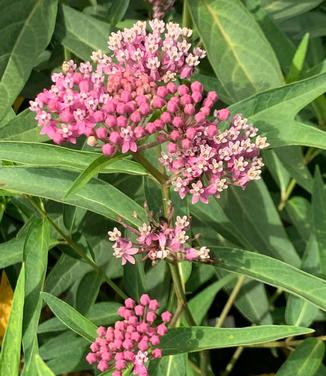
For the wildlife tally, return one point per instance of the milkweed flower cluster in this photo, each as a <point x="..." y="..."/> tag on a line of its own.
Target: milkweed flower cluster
<point x="160" y="7"/>
<point x="110" y="102"/>
<point x="133" y="340"/>
<point x="203" y="158"/>
<point x="158" y="241"/>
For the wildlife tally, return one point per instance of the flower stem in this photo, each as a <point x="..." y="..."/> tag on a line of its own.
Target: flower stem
<point x="77" y="249"/>
<point x="229" y="303"/>
<point x="162" y="179"/>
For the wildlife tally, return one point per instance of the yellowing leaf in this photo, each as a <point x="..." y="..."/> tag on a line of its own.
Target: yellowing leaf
<point x="6" y="295"/>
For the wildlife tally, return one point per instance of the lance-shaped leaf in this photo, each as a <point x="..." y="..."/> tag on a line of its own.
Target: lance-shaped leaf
<point x="70" y="317"/>
<point x="26" y="30"/>
<point x="11" y="345"/>
<point x="198" y="338"/>
<point x="47" y="155"/>
<point x="305" y="360"/>
<point x="274" y="111"/>
<point x="97" y="196"/>
<point x="35" y="257"/>
<point x="232" y="39"/>
<point x="273" y="272"/>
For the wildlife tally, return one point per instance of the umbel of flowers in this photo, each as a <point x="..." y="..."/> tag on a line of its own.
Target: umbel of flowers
<point x="133" y="340"/>
<point x="157" y="241"/>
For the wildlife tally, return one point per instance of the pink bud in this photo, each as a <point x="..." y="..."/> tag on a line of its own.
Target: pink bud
<point x="196" y="96"/>
<point x="155" y="340"/>
<point x="212" y="95"/>
<point x="122" y="121"/>
<point x="172" y="148"/>
<point x="100" y="132"/>
<point x="154" y="305"/>
<point x="98" y="116"/>
<point x="102" y="365"/>
<point x="157" y="353"/>
<point x="144" y="108"/>
<point x="129" y="303"/>
<point x="143" y="346"/>
<point x="186" y="72"/>
<point x="139" y="132"/>
<point x="189" y="109"/>
<point x="158" y="102"/>
<point x="211" y="130"/>
<point x="162" y="91"/>
<point x="191" y="254"/>
<point x="185" y="99"/>
<point x="162" y="329"/>
<point x="223" y="114"/>
<point x="101" y="331"/>
<point x="175" y="135"/>
<point x="121" y="108"/>
<point x="183" y="89"/>
<point x="91" y="358"/>
<point x="166" y="117"/>
<point x="127" y="344"/>
<point x="125" y="96"/>
<point x="178" y="121"/>
<point x="135" y="117"/>
<point x="197" y="86"/>
<point x="166" y="316"/>
<point x="109" y="107"/>
<point x="150" y="317"/>
<point x="115" y="137"/>
<point x="150" y="127"/>
<point x="172" y="87"/>
<point x="200" y="116"/>
<point x="108" y="149"/>
<point x="172" y="106"/>
<point x="144" y="299"/>
<point x="111" y="121"/>
<point x="191" y="133"/>
<point x="120" y="364"/>
<point x="84" y="86"/>
<point x="116" y="373"/>
<point x="139" y="310"/>
<point x="186" y="144"/>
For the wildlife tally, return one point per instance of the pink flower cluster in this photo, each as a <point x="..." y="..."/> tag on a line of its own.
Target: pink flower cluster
<point x="160" y="7"/>
<point x="157" y="241"/>
<point x="109" y="102"/>
<point x="132" y="341"/>
<point x="162" y="54"/>
<point x="204" y="159"/>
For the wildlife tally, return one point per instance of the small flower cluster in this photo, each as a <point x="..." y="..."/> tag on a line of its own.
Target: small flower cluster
<point x="162" y="54"/>
<point x="160" y="7"/>
<point x="132" y="341"/>
<point x="203" y="159"/>
<point x="157" y="241"/>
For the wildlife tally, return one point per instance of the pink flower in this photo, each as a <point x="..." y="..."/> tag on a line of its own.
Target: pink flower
<point x="133" y="340"/>
<point x="123" y="249"/>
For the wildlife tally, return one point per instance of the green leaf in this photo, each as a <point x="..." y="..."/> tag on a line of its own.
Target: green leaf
<point x="87" y="291"/>
<point x="267" y="234"/>
<point x="171" y="365"/>
<point x="319" y="218"/>
<point x="118" y="10"/>
<point x="134" y="279"/>
<point x="198" y="338"/>
<point x="283" y="9"/>
<point x="97" y="196"/>
<point x="298" y="60"/>
<point x="273" y="272"/>
<point x="299" y="312"/>
<point x="270" y="110"/>
<point x="42" y="368"/>
<point x="232" y="39"/>
<point x="26" y="31"/>
<point x="70" y="317"/>
<point x="92" y="170"/>
<point x="22" y="128"/>
<point x="200" y="304"/>
<point x="10" y="349"/>
<point x="46" y="155"/>
<point x="81" y="33"/>
<point x="35" y="260"/>
<point x="103" y="313"/>
<point x="304" y="360"/>
<point x="11" y="252"/>
<point x="299" y="211"/>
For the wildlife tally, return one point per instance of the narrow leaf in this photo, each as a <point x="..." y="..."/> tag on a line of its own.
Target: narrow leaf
<point x="70" y="317"/>
<point x="11" y="345"/>
<point x="198" y="338"/>
<point x="298" y="60"/>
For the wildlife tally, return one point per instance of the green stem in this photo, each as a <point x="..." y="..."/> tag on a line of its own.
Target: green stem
<point x="229" y="303"/>
<point x="77" y="249"/>
<point x="234" y="359"/>
<point x="186" y="18"/>
<point x="162" y="179"/>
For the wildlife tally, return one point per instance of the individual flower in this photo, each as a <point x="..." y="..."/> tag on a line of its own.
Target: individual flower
<point x="158" y="240"/>
<point x="204" y="156"/>
<point x="160" y="7"/>
<point x="133" y="340"/>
